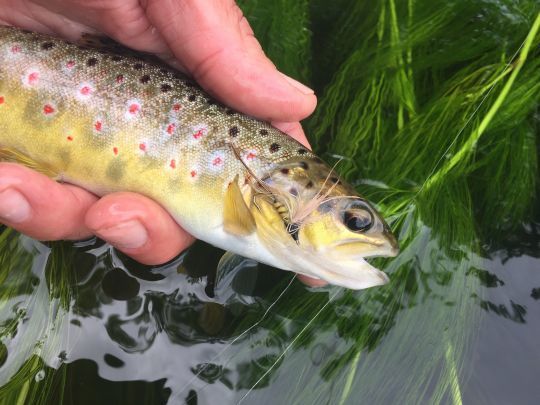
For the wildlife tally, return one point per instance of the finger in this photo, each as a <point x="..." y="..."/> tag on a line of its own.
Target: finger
<point x="41" y="208"/>
<point x="125" y="21"/>
<point x="293" y="129"/>
<point x="137" y="226"/>
<point x="211" y="39"/>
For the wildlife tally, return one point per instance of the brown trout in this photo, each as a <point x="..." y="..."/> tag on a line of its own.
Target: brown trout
<point x="108" y="121"/>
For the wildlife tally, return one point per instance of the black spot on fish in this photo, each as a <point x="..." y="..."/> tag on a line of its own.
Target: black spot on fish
<point x="275" y="147"/>
<point x="192" y="97"/>
<point x="116" y="58"/>
<point x="233" y="131"/>
<point x="293" y="191"/>
<point x="138" y="66"/>
<point x="303" y="165"/>
<point x="91" y="62"/>
<point x="47" y="46"/>
<point x="302" y="151"/>
<point x="284" y="171"/>
<point x="115" y="170"/>
<point x="145" y="79"/>
<point x="165" y="87"/>
<point x="309" y="184"/>
<point x="263" y="132"/>
<point x="334" y="180"/>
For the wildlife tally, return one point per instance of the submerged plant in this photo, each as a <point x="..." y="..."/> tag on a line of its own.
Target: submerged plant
<point x="433" y="109"/>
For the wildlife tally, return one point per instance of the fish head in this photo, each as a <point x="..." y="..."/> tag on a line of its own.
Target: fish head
<point x="329" y="229"/>
<point x="347" y="227"/>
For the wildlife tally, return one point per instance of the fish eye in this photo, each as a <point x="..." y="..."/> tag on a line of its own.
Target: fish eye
<point x="358" y="220"/>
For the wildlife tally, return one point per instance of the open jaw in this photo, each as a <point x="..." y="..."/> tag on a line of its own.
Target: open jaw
<point x="355" y="274"/>
<point x="372" y="247"/>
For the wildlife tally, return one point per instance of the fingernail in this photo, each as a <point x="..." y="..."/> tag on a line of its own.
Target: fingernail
<point x="126" y="235"/>
<point x="14" y="208"/>
<point x="296" y="84"/>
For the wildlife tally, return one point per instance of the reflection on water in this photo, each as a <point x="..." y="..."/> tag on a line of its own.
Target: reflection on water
<point x="519" y="250"/>
<point x="118" y="332"/>
<point x="507" y="361"/>
<point x="177" y="333"/>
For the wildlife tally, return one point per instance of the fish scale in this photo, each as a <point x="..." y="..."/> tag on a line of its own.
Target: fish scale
<point x="109" y="119"/>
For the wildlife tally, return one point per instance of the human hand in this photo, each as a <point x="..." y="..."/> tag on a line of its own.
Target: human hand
<point x="209" y="40"/>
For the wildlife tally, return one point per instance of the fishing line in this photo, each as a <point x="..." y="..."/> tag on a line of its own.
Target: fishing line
<point x="288" y="347"/>
<point x="215" y="357"/>
<point x="508" y="65"/>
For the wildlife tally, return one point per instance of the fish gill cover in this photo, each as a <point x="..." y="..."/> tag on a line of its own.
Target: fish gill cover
<point x="432" y="108"/>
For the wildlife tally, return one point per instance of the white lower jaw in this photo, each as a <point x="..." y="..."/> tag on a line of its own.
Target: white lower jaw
<point x="363" y="275"/>
<point x="355" y="274"/>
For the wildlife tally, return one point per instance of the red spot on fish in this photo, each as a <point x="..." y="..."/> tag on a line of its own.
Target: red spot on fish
<point x="176" y="107"/>
<point x="15" y="49"/>
<point x="198" y="134"/>
<point x="217" y="161"/>
<point x="134" y="108"/>
<point x="69" y="138"/>
<point x="115" y="150"/>
<point x="251" y="156"/>
<point x="48" y="109"/>
<point x="193" y="173"/>
<point x="171" y="128"/>
<point x="119" y="78"/>
<point x="33" y="78"/>
<point x="173" y="164"/>
<point x="70" y="64"/>
<point x="85" y="90"/>
<point x="2" y="100"/>
<point x="98" y="125"/>
<point x="142" y="146"/>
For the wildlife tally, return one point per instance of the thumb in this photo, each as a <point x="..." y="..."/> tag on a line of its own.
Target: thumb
<point x="214" y="41"/>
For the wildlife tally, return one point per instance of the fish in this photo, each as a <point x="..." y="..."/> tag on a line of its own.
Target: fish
<point x="108" y="119"/>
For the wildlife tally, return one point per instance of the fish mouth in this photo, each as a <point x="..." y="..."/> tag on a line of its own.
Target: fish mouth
<point x="385" y="246"/>
<point x="356" y="275"/>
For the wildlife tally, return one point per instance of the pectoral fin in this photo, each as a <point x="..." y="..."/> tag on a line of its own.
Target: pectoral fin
<point x="237" y="218"/>
<point x="15" y="156"/>
<point x="235" y="279"/>
<point x="228" y="265"/>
